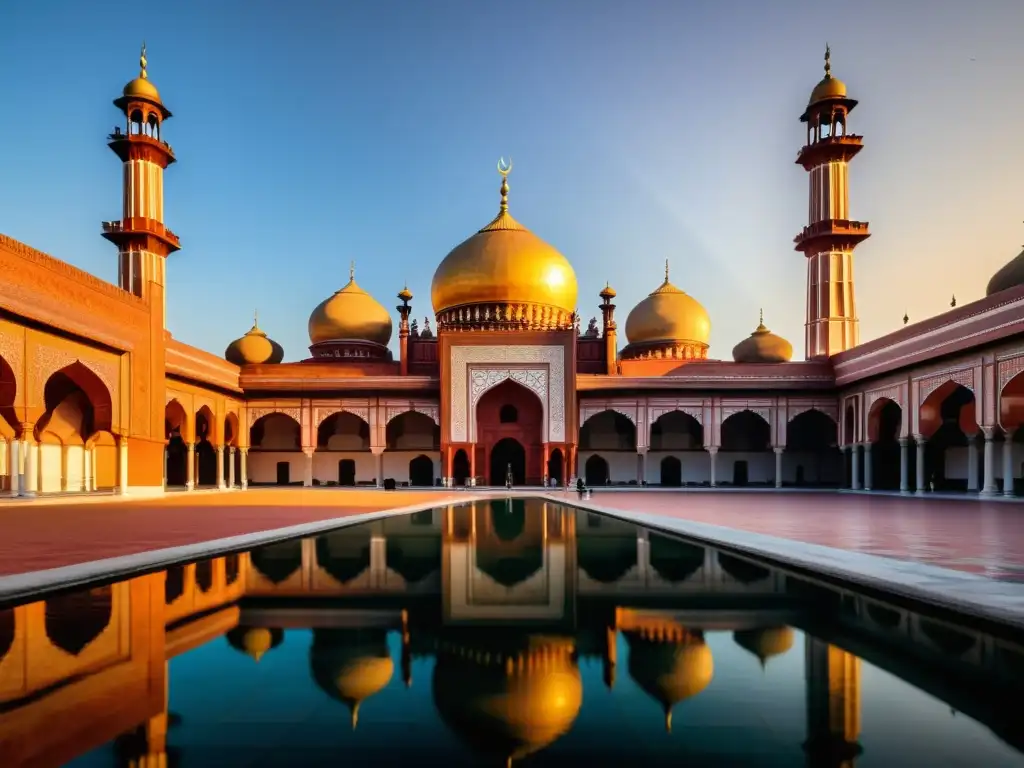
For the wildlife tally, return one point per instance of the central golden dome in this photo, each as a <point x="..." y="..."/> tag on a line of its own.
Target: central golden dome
<point x="504" y="263"/>
<point x="350" y="314"/>
<point x="668" y="314"/>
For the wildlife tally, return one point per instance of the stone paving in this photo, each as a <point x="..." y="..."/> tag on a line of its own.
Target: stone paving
<point x="975" y="536"/>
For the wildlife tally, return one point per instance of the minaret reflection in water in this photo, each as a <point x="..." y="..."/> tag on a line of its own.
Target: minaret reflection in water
<point x="508" y="600"/>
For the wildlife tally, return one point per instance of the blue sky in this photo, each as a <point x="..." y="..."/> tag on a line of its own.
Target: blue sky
<point x="312" y="133"/>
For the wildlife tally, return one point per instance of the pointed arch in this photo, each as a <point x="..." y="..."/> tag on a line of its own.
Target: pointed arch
<point x="276" y="431"/>
<point x="746" y="430"/>
<point x="8" y="396"/>
<point x="676" y="430"/>
<point x="412" y="431"/>
<point x="1011" y="403"/>
<point x="73" y="378"/>
<point x="608" y="430"/>
<point x="343" y="431"/>
<point x="231" y="429"/>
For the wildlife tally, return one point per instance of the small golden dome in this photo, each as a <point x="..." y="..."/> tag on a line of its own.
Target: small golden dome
<point x="765" y="642"/>
<point x="255" y="641"/>
<point x="405" y="295"/>
<point x="668" y="314"/>
<point x="509" y="708"/>
<point x="254" y="348"/>
<point x="350" y="314"/>
<point x="504" y="263"/>
<point x="670" y="672"/>
<point x="829" y="87"/>
<point x="1010" y="275"/>
<point x="607" y="292"/>
<point x="141" y="87"/>
<point x="763" y="346"/>
<point x="351" y="665"/>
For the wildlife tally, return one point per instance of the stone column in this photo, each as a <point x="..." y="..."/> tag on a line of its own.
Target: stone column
<point x="855" y="467"/>
<point x="641" y="465"/>
<point x="869" y="470"/>
<point x="14" y="457"/>
<point x="86" y="468"/>
<point x="231" y="466"/>
<point x="4" y="460"/>
<point x="122" y="464"/>
<point x="190" y="467"/>
<point x="990" y="488"/>
<point x="972" y="462"/>
<point x="92" y="475"/>
<point x="30" y="483"/>
<point x="378" y="464"/>
<point x="779" y="450"/>
<point x="64" y="467"/>
<point x="1008" y="462"/>
<point x="220" y="467"/>
<point x="922" y="483"/>
<point x="904" y="466"/>
<point x="307" y="478"/>
<point x="713" y="453"/>
<point x="243" y="467"/>
<point x="167" y="457"/>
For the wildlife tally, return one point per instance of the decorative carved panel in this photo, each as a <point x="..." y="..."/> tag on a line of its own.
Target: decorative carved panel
<point x="507" y="358"/>
<point x="764" y="413"/>
<point x="889" y="393"/>
<point x="392" y="412"/>
<point x="12" y="349"/>
<point x="696" y="411"/>
<point x="255" y="414"/>
<point x="964" y="377"/>
<point x="49" y="360"/>
<point x="1008" y="368"/>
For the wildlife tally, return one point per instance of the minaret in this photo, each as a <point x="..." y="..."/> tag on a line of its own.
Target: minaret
<point x="609" y="329"/>
<point x="140" y="236"/>
<point x="830" y="236"/>
<point x="405" y="296"/>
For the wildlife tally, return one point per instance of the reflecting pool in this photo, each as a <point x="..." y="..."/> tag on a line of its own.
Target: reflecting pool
<point x="495" y="633"/>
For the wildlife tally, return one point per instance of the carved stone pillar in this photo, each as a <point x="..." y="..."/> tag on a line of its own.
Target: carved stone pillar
<point x="990" y="488"/>
<point x="30" y="451"/>
<point x="712" y="454"/>
<point x="190" y="467"/>
<point x="1008" y="462"/>
<point x="86" y="469"/>
<point x="869" y="470"/>
<point x="122" y="464"/>
<point x="378" y="464"/>
<point x="972" y="462"/>
<point x="307" y="478"/>
<point x="779" y="450"/>
<point x="64" y="467"/>
<point x="904" y="466"/>
<point x="922" y="483"/>
<point x="855" y="467"/>
<point x="231" y="467"/>
<point x="243" y="467"/>
<point x="641" y="465"/>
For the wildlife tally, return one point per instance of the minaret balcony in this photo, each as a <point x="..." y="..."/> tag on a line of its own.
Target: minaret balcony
<point x="128" y="146"/>
<point x="832" y="233"/>
<point x="119" y="232"/>
<point x="829" y="149"/>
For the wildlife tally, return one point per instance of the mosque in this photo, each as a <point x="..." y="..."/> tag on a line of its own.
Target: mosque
<point x="506" y="376"/>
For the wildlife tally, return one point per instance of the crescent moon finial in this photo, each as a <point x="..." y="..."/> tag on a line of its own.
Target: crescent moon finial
<point x="505" y="168"/>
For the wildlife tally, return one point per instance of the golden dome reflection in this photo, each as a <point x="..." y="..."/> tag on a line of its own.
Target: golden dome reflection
<point x="351" y="665"/>
<point x="762" y="346"/>
<point x="254" y="348"/>
<point x="350" y="314"/>
<point x="504" y="263"/>
<point x="508" y="705"/>
<point x="669" y="671"/>
<point x="255" y="641"/>
<point x="765" y="642"/>
<point x="668" y="314"/>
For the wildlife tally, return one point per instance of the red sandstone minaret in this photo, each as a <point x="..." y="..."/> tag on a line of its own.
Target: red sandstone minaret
<point x="830" y="236"/>
<point x="140" y="236"/>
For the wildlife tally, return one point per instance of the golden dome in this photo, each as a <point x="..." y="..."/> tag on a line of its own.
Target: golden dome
<point x="255" y="641"/>
<point x="670" y="672"/>
<point x="1010" y="275"/>
<point x="350" y="314"/>
<point x="141" y="87"/>
<point x="829" y="87"/>
<point x="504" y="263"/>
<point x="254" y="348"/>
<point x="765" y="642"/>
<point x="763" y="346"/>
<point x="351" y="665"/>
<point x="508" y="706"/>
<point x="668" y="314"/>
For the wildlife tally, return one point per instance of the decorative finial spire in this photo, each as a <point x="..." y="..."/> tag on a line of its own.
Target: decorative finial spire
<point x="255" y="318"/>
<point x="666" y="271"/>
<point x="952" y="302"/>
<point x="906" y="318"/>
<point x="668" y="721"/>
<point x="504" y="169"/>
<point x="355" y="715"/>
<point x="760" y="320"/>
<point x="351" y="271"/>
<point x="828" y="62"/>
<point x="143" y="62"/>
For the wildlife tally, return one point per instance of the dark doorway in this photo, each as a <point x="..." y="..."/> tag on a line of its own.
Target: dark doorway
<point x="206" y="458"/>
<point x="595" y="471"/>
<point x="177" y="461"/>
<point x="555" y="461"/>
<point x="800" y="474"/>
<point x="284" y="473"/>
<point x="740" y="472"/>
<point x="346" y="472"/>
<point x="671" y="472"/>
<point x="508" y="451"/>
<point x="421" y="471"/>
<point x="460" y="467"/>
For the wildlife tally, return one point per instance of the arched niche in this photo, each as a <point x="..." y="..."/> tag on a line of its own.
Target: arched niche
<point x="343" y="431"/>
<point x="676" y="431"/>
<point x="276" y="432"/>
<point x="608" y="431"/>
<point x="412" y="431"/>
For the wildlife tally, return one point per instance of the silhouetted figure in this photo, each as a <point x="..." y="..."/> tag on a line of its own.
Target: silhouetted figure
<point x="580" y="487"/>
<point x="508" y="477"/>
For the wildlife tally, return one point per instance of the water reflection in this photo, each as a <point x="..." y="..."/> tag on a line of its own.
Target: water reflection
<point x="519" y="615"/>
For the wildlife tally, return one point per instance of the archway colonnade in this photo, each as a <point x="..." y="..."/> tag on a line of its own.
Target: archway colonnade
<point x="958" y="431"/>
<point x="711" y="442"/>
<point x="70" y="442"/>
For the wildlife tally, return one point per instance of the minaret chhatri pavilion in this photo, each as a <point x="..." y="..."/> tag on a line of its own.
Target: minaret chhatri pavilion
<point x="141" y="237"/>
<point x="830" y="236"/>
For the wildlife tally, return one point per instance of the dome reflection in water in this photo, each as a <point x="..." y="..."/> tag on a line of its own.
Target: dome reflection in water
<point x="505" y="631"/>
